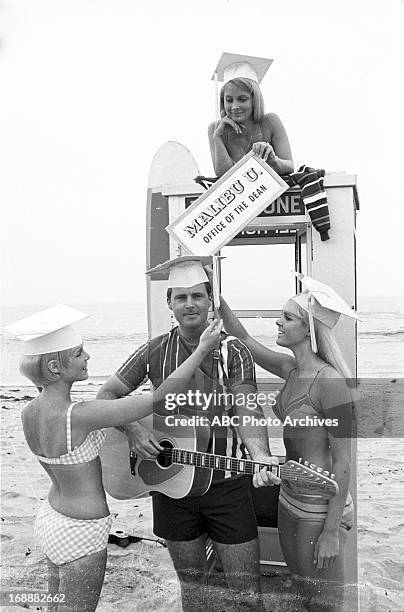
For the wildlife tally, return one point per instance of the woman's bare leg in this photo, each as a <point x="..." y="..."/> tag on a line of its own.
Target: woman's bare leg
<point x="287" y="530"/>
<point x="81" y="582"/>
<point x="327" y="584"/>
<point x="53" y="584"/>
<point x="324" y="587"/>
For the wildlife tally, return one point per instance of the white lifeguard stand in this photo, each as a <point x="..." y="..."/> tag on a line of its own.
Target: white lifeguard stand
<point x="283" y="222"/>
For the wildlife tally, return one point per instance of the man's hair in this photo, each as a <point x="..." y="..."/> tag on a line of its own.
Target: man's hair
<point x="36" y="367"/>
<point x="207" y="286"/>
<point x="257" y="98"/>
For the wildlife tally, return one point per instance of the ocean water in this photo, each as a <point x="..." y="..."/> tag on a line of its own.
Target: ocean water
<point x="113" y="331"/>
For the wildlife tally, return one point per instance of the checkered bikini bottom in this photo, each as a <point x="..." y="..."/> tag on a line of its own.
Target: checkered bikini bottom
<point x="63" y="539"/>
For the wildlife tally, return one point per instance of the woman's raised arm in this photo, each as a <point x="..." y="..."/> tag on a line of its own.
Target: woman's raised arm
<point x="221" y="159"/>
<point x="114" y="413"/>
<point x="272" y="361"/>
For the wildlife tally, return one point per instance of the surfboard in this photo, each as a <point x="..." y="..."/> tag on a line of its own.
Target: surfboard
<point x="172" y="167"/>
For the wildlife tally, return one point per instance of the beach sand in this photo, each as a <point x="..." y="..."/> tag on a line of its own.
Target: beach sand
<point x="140" y="577"/>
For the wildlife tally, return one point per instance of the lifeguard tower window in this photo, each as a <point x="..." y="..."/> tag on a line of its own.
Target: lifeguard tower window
<point x="258" y="280"/>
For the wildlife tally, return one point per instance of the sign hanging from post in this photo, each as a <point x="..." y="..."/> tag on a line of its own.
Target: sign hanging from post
<point x="227" y="207"/>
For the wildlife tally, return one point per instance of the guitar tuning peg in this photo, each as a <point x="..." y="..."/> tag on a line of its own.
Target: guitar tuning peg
<point x="313" y="466"/>
<point x="306" y="463"/>
<point x="300" y="459"/>
<point x="319" y="470"/>
<point x="326" y="473"/>
<point x="332" y="476"/>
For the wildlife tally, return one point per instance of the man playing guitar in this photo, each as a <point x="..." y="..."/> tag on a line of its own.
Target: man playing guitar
<point x="225" y="512"/>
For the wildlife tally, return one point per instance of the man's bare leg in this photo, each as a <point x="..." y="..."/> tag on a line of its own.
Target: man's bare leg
<point x="241" y="566"/>
<point x="189" y="559"/>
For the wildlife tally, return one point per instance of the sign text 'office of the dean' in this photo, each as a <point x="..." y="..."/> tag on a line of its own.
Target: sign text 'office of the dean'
<point x="227" y="207"/>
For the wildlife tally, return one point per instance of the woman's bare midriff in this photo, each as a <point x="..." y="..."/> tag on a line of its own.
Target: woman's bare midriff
<point x="83" y="493"/>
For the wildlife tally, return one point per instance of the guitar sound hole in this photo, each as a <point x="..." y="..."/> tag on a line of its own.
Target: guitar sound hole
<point x="164" y="458"/>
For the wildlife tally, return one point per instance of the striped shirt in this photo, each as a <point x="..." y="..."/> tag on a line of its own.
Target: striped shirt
<point x="215" y="378"/>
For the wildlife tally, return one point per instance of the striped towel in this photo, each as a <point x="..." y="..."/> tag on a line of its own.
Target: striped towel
<point x="311" y="183"/>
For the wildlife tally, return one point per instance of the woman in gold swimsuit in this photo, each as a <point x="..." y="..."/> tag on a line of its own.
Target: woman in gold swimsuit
<point x="315" y="406"/>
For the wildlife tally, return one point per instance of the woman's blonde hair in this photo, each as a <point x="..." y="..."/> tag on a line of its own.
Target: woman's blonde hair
<point x="36" y="367"/>
<point x="253" y="89"/>
<point x="327" y="346"/>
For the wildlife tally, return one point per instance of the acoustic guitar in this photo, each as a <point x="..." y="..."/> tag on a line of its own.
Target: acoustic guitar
<point x="184" y="468"/>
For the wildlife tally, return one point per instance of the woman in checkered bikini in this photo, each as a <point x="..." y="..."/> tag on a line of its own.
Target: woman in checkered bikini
<point x="73" y="524"/>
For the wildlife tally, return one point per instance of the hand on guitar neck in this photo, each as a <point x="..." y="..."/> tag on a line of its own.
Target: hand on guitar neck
<point x="265" y="477"/>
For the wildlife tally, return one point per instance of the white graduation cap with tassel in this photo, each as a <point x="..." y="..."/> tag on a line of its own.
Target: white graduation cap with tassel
<point x="323" y="303"/>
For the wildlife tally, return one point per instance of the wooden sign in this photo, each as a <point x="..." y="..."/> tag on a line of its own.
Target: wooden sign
<point x="227" y="207"/>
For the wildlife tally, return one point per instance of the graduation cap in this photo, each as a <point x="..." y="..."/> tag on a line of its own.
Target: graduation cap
<point x="234" y="66"/>
<point x="323" y="303"/>
<point x="184" y="271"/>
<point x="48" y="331"/>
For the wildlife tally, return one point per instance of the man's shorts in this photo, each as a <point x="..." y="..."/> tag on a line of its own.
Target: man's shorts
<point x="225" y="513"/>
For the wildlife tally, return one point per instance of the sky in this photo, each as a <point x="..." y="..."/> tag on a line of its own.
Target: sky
<point x="90" y="89"/>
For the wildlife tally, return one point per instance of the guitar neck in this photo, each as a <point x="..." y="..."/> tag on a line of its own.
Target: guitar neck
<point x="312" y="478"/>
<point x="219" y="462"/>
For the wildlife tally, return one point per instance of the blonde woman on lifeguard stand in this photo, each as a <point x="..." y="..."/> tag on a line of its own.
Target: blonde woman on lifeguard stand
<point x="244" y="126"/>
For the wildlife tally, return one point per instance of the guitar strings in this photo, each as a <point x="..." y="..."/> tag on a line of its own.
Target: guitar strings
<point x="282" y="469"/>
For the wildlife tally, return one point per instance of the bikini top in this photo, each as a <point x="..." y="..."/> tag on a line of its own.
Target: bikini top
<point x="255" y="137"/>
<point x="87" y="451"/>
<point x="301" y="406"/>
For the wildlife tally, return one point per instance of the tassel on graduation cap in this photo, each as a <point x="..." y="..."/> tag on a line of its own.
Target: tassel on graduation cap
<point x="311" y="324"/>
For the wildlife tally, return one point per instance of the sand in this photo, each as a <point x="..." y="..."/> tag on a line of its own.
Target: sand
<point x="141" y="577"/>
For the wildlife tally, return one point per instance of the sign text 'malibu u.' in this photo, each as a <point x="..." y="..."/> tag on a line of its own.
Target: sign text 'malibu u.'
<point x="227" y="207"/>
